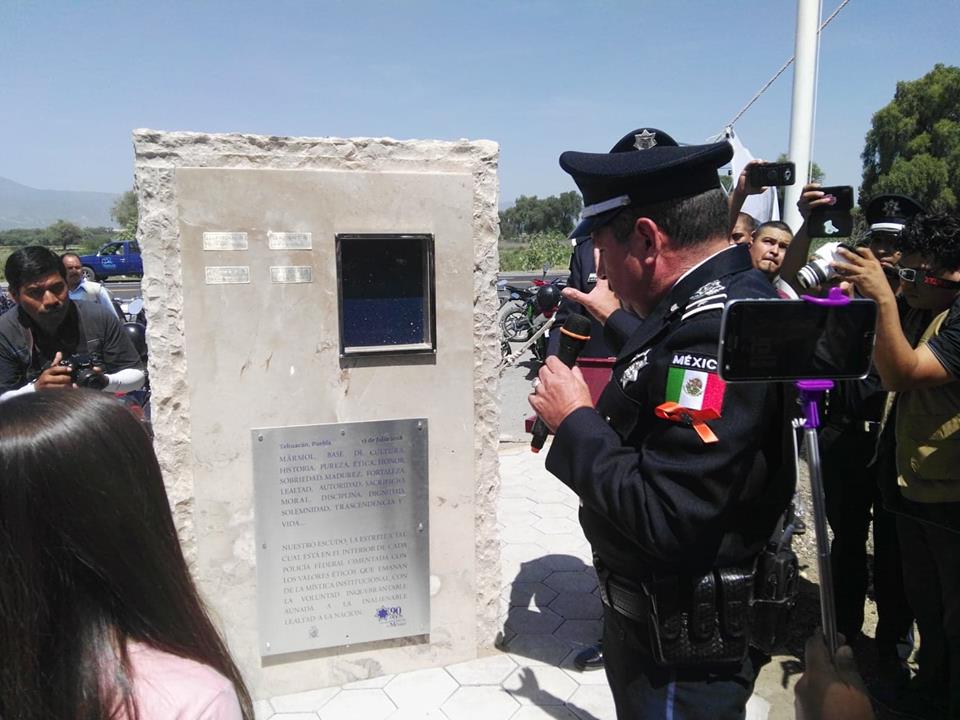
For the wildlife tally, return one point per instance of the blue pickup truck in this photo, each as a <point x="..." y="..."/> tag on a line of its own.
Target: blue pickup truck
<point x="114" y="258"/>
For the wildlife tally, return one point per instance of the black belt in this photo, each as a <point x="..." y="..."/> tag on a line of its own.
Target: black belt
<point x="630" y="603"/>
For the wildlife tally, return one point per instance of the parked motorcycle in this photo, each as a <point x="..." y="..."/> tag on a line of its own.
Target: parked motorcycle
<point x="135" y="326"/>
<point x="521" y="318"/>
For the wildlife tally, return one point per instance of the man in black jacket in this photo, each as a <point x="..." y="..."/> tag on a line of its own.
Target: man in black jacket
<point x="676" y="471"/>
<point x="48" y="329"/>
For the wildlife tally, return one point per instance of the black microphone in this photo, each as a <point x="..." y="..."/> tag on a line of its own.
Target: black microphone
<point x="574" y="336"/>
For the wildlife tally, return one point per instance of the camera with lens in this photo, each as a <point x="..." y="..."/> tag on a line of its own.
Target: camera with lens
<point x="772" y="174"/>
<point x="819" y="270"/>
<point x="82" y="372"/>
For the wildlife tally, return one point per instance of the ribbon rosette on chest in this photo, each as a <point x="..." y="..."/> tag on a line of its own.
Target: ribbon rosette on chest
<point x="694" y="393"/>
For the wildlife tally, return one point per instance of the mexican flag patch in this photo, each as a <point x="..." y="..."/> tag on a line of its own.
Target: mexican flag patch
<point x="695" y="389"/>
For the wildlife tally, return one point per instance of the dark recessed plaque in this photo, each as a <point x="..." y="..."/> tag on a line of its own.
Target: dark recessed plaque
<point x="386" y="288"/>
<point x="342" y="538"/>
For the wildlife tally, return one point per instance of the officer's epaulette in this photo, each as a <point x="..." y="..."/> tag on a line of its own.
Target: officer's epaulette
<point x="712" y="296"/>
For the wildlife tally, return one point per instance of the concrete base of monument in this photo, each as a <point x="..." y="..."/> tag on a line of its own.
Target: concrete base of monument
<point x="549" y="611"/>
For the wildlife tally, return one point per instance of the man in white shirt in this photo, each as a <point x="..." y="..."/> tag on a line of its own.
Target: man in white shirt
<point x="82" y="289"/>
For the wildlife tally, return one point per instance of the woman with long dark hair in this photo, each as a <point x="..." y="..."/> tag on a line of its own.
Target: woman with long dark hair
<point x="99" y="616"/>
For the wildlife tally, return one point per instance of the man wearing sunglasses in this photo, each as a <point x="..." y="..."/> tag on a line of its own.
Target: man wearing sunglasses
<point x="926" y="419"/>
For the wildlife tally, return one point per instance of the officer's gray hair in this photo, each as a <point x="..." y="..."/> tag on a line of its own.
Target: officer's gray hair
<point x="686" y="221"/>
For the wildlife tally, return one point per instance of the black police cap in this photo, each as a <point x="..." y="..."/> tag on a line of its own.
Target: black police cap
<point x="643" y="167"/>
<point x="890" y="212"/>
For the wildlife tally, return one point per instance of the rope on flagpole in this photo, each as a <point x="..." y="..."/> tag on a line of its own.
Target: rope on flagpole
<point x="780" y="72"/>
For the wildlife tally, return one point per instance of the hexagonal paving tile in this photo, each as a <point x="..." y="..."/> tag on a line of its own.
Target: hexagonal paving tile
<point x="535" y="712"/>
<point x="558" y="496"/>
<point x="526" y="571"/>
<point x="564" y="563"/>
<point x="543" y="649"/>
<point x="558" y="526"/>
<point x="514" y="505"/>
<point x="483" y="702"/>
<point x="573" y="544"/>
<point x="369" y="684"/>
<point x="540" y="685"/>
<point x="491" y="670"/>
<point x="584" y="581"/>
<point x="542" y="621"/>
<point x="295" y="716"/>
<point x="413" y="713"/>
<point x="520" y="594"/>
<point x="421" y="688"/>
<point x="516" y="534"/>
<point x="524" y="552"/>
<point x="596" y="676"/>
<point x="353" y="704"/>
<point x="310" y="701"/>
<point x="585" y="632"/>
<point x="577" y="606"/>
<point x="554" y="510"/>
<point x="590" y="702"/>
<point x="262" y="710"/>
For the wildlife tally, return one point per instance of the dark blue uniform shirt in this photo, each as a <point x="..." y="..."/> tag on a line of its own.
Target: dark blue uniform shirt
<point x="655" y="498"/>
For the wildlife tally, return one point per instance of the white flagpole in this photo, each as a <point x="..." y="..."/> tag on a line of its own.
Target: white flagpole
<point x="801" y="117"/>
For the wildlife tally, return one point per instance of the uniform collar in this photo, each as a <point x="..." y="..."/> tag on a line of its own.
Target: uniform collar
<point x="729" y="260"/>
<point x="711" y="269"/>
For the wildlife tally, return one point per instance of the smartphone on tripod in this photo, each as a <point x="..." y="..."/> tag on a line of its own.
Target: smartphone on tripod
<point x="809" y="342"/>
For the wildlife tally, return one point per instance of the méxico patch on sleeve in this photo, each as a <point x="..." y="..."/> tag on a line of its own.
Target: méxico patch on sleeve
<point x="693" y="383"/>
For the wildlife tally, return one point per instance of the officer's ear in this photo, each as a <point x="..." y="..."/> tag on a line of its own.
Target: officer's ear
<point x="649" y="236"/>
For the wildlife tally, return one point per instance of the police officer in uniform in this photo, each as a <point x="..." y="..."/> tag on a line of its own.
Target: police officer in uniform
<point x="677" y="472"/>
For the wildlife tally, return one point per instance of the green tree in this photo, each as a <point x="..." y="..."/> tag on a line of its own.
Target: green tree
<point x="531" y="215"/>
<point x="913" y="145"/>
<point x="64" y="234"/>
<point x="124" y="210"/>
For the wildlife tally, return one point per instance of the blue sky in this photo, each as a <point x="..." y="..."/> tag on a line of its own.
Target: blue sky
<point x="537" y="76"/>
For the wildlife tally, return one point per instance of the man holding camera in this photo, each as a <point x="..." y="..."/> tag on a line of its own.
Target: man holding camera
<point x="677" y="472"/>
<point x="51" y="341"/>
<point x="926" y="419"/>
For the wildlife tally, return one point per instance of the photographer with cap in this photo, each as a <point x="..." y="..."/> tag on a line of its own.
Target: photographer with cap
<point x="678" y="474"/>
<point x="50" y="341"/>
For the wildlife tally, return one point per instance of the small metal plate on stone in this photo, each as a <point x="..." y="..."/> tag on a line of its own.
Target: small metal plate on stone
<point x="341" y="528"/>
<point x="226" y="274"/>
<point x="291" y="274"/>
<point x="290" y="240"/>
<point x="225" y="241"/>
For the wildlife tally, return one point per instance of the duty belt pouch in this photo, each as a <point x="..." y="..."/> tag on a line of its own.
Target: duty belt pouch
<point x="775" y="596"/>
<point x="702" y="621"/>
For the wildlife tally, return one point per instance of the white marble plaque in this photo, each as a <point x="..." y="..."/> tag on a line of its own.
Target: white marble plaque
<point x="290" y="240"/>
<point x="225" y="241"/>
<point x="291" y="274"/>
<point x="342" y="533"/>
<point x="226" y="274"/>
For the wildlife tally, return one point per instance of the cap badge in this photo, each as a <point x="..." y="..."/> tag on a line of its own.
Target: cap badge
<point x="891" y="208"/>
<point x="645" y="140"/>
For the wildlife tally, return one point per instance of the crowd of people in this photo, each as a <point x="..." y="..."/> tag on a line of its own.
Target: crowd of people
<point x="684" y="480"/>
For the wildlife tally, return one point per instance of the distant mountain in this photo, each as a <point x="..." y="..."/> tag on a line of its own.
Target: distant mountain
<point x="27" y="207"/>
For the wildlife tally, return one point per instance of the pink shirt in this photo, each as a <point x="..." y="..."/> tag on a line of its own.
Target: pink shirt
<point x="168" y="687"/>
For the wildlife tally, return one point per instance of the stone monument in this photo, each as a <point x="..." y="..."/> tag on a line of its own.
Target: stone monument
<point x="323" y="359"/>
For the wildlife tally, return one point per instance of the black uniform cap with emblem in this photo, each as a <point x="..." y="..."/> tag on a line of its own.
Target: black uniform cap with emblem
<point x="889" y="213"/>
<point x="644" y="167"/>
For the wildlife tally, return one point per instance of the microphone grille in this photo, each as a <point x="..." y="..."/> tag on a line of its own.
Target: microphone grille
<point x="578" y="325"/>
